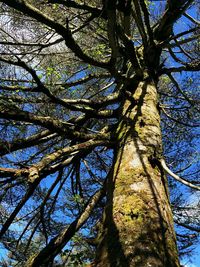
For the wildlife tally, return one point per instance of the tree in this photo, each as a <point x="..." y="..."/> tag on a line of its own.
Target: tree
<point x="85" y="88"/>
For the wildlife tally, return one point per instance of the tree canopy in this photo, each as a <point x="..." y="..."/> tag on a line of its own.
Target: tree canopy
<point x="67" y="68"/>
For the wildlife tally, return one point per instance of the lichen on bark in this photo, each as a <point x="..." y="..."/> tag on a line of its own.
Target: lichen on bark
<point x="138" y="224"/>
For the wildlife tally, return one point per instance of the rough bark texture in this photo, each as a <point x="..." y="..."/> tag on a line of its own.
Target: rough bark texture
<point x="138" y="224"/>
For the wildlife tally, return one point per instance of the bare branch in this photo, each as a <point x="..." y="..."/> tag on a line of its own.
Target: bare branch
<point x="175" y="176"/>
<point x="191" y="18"/>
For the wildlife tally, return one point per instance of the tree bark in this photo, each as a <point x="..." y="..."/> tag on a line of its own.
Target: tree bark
<point x="138" y="224"/>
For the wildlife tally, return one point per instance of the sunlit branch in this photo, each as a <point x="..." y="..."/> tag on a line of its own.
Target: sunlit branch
<point x="176" y="177"/>
<point x="191" y="18"/>
<point x="21" y="88"/>
<point x="81" y="81"/>
<point x="13" y="173"/>
<point x="79" y="104"/>
<point x="42" y="88"/>
<point x="35" y="177"/>
<point x="97" y="103"/>
<point x="55" y="125"/>
<point x="36" y="169"/>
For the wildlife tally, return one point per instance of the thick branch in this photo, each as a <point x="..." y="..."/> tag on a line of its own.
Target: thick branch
<point x="55" y="125"/>
<point x="8" y="147"/>
<point x="36" y="169"/>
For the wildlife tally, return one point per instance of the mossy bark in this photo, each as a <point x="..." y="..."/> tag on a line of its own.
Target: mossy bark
<point x="138" y="225"/>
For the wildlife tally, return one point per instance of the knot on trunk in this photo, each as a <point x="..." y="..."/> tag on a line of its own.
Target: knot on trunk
<point x="33" y="174"/>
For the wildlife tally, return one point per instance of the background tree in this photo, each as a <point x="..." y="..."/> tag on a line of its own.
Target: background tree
<point x="84" y="86"/>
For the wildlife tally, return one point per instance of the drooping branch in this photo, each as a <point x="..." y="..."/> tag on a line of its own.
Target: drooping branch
<point x="41" y="207"/>
<point x="19" y="206"/>
<point x="175" y="176"/>
<point x="178" y="121"/>
<point x="191" y="18"/>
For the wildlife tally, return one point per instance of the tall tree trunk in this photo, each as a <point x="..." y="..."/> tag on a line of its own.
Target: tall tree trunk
<point x="138" y="225"/>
